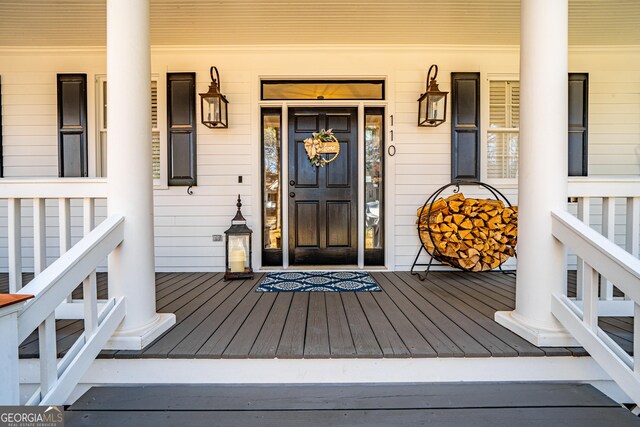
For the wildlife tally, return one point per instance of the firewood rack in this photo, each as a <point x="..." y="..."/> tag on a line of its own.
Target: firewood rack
<point x="427" y="205"/>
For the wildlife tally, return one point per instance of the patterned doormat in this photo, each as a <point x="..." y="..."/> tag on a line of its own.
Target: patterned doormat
<point x="319" y="281"/>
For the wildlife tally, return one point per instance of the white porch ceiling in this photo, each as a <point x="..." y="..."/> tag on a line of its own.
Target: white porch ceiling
<point x="256" y="22"/>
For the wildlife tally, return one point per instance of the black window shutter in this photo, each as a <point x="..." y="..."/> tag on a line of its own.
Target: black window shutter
<point x="578" y="117"/>
<point x="72" y="125"/>
<point x="181" y="121"/>
<point x="465" y="126"/>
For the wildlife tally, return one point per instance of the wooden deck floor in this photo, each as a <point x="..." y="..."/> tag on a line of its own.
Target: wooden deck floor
<point x="366" y="405"/>
<point x="449" y="315"/>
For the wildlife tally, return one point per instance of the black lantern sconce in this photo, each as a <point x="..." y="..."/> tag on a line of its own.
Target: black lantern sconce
<point x="213" y="105"/>
<point x="432" y="105"/>
<point x="238" y="248"/>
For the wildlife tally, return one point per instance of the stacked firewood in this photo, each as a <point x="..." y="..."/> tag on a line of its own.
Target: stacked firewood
<point x="471" y="234"/>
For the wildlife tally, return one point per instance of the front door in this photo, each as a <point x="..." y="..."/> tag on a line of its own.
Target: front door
<point x="323" y="201"/>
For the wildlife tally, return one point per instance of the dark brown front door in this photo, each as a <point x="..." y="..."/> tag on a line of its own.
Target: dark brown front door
<point x="323" y="201"/>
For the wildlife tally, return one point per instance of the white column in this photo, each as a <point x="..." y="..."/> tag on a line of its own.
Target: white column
<point x="542" y="175"/>
<point x="130" y="184"/>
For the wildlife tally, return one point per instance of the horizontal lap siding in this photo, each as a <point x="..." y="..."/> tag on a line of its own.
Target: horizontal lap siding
<point x="184" y="224"/>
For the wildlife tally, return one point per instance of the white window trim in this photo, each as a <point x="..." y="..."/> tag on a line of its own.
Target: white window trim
<point x="158" y="184"/>
<point x="485" y="92"/>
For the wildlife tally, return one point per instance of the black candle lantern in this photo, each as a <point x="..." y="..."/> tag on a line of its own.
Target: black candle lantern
<point x="213" y="105"/>
<point x="238" y="248"/>
<point x="432" y="105"/>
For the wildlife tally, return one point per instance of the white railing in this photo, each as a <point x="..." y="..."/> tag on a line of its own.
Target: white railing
<point x="609" y="193"/>
<point x="600" y="257"/>
<point x="52" y="286"/>
<point x="21" y="194"/>
<point x="50" y="289"/>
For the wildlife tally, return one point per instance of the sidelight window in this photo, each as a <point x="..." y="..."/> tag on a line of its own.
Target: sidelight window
<point x="374" y="186"/>
<point x="271" y="187"/>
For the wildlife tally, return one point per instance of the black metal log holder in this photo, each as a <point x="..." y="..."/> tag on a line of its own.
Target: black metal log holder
<point x="437" y="254"/>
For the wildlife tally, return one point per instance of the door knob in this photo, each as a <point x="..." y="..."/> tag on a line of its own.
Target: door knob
<point x="292" y="182"/>
<point x="292" y="194"/>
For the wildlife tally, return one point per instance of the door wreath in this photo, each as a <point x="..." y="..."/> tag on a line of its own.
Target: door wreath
<point x="323" y="142"/>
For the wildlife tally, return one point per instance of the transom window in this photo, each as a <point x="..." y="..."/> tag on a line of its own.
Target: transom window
<point x="276" y="90"/>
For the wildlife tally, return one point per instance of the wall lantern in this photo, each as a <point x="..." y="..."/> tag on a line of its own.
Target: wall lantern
<point x="432" y="105"/>
<point x="213" y="105"/>
<point x="238" y="248"/>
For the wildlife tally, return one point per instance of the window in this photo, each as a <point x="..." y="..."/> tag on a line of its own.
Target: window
<point x="322" y="89"/>
<point x="271" y="190"/>
<point x="181" y="126"/>
<point x="503" y="133"/>
<point x="504" y="124"/>
<point x="374" y="186"/>
<point x="1" y="151"/>
<point x="101" y="148"/>
<point x="72" y="125"/>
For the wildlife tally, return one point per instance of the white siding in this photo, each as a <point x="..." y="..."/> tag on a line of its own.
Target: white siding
<point x="184" y="224"/>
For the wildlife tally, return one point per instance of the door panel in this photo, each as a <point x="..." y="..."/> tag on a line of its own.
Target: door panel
<point x="323" y="201"/>
<point x="307" y="220"/>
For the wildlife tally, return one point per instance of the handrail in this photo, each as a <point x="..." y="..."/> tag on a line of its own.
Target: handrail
<point x="49" y="289"/>
<point x="604" y="186"/>
<point x="52" y="188"/>
<point x="606" y="257"/>
<point x="60" y="279"/>
<point x="580" y="318"/>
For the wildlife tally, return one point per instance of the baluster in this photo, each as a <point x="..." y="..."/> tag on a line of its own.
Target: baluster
<point x="14" y="217"/>
<point x="590" y="297"/>
<point x="64" y="225"/>
<point x="584" y="204"/>
<point x="64" y="212"/>
<point x="636" y="338"/>
<point x="39" y="236"/>
<point x="48" y="354"/>
<point x="89" y="285"/>
<point x="608" y="230"/>
<point x="633" y="226"/>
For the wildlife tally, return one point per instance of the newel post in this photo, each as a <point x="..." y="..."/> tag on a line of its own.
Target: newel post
<point x="10" y="307"/>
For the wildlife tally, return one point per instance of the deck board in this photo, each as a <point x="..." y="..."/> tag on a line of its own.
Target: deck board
<point x="316" y="341"/>
<point x="445" y="319"/>
<point x="387" y="337"/>
<point x="479" y="404"/>
<point x="451" y="314"/>
<point x="436" y="338"/>
<point x="462" y="315"/>
<point x="292" y="340"/>
<point x="364" y="339"/>
<point x="415" y="343"/>
<point x="243" y="341"/>
<point x="266" y="344"/>
<point x="340" y="340"/>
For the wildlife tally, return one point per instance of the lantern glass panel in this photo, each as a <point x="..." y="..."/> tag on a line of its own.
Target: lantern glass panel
<point x="436" y="106"/>
<point x="423" y="110"/>
<point x="223" y="112"/>
<point x="238" y="259"/>
<point x="212" y="109"/>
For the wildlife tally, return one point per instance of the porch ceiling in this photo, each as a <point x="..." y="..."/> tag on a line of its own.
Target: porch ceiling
<point x="262" y="22"/>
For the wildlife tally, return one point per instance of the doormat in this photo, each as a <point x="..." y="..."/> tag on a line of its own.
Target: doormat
<point x="319" y="281"/>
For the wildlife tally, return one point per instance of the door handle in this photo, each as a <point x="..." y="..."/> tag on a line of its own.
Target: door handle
<point x="292" y="194"/>
<point x="292" y="182"/>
